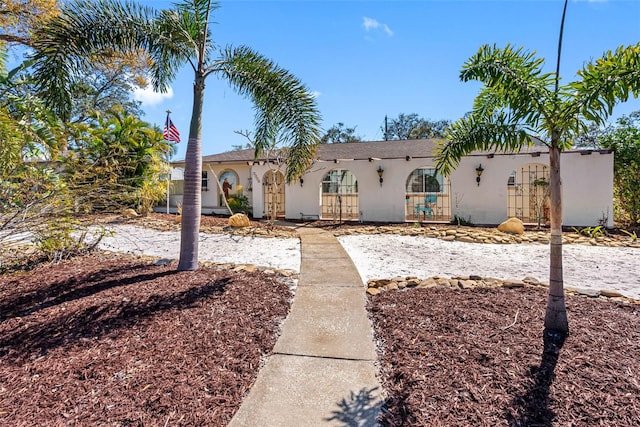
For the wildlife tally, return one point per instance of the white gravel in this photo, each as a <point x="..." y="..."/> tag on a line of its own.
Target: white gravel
<point x="585" y="267"/>
<point x="387" y="256"/>
<point x="278" y="253"/>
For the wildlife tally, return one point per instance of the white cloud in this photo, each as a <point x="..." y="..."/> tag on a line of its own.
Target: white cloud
<point x="315" y="93"/>
<point x="373" y="24"/>
<point x="148" y="97"/>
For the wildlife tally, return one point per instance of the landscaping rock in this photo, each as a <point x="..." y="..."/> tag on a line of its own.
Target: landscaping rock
<point x="373" y="291"/>
<point x="511" y="284"/>
<point x="129" y="213"/>
<point x="239" y="220"/>
<point x="610" y="294"/>
<point x="592" y="293"/>
<point x="512" y="226"/>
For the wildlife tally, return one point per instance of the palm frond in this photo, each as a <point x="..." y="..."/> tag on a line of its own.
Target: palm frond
<point x="474" y="133"/>
<point x="69" y="42"/>
<point x="183" y="34"/>
<point x="605" y="82"/>
<point x="517" y="76"/>
<point x="195" y="15"/>
<point x="3" y="63"/>
<point x="285" y="110"/>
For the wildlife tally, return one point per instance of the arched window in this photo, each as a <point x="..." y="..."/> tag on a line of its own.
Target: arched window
<point x="340" y="195"/>
<point x="339" y="181"/>
<point x="425" y="180"/>
<point x="427" y="196"/>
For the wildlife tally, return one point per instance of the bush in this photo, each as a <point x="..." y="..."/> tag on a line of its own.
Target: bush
<point x="239" y="203"/>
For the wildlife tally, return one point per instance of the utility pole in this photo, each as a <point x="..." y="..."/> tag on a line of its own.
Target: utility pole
<point x="386" y="129"/>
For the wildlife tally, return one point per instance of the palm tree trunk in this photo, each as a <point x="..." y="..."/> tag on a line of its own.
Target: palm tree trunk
<point x="556" y="313"/>
<point x="192" y="201"/>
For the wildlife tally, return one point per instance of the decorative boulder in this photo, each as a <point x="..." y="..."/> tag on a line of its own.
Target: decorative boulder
<point x="512" y="226"/>
<point x="129" y="213"/>
<point x="239" y="220"/>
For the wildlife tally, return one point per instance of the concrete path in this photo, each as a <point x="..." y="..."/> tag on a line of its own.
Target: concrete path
<point x="322" y="370"/>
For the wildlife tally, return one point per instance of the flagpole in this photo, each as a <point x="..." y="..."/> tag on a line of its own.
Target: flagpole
<point x="168" y="166"/>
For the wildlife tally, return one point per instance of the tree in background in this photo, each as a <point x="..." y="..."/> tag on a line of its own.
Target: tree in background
<point x="107" y="87"/>
<point x="519" y="100"/>
<point x="339" y="134"/>
<point x="116" y="162"/>
<point x="18" y="18"/>
<point x="285" y="110"/>
<point x="411" y="126"/>
<point x="624" y="139"/>
<point x="40" y="191"/>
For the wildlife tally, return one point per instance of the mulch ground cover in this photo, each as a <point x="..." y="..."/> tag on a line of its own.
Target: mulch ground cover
<point x="475" y="358"/>
<point x="115" y="340"/>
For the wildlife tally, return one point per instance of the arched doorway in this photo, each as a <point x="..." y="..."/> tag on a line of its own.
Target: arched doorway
<point x="427" y="196"/>
<point x="340" y="196"/>
<point x="273" y="193"/>
<point x="528" y="194"/>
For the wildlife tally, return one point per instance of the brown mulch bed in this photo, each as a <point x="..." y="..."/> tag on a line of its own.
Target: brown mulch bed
<point x="115" y="340"/>
<point x="475" y="358"/>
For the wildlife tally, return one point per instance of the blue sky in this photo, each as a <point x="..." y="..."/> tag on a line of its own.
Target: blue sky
<point x="368" y="59"/>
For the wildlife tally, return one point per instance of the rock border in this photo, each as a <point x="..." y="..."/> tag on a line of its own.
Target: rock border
<point x="489" y="235"/>
<point x="400" y="283"/>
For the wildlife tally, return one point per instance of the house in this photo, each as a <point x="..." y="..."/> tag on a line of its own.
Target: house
<point x="395" y="181"/>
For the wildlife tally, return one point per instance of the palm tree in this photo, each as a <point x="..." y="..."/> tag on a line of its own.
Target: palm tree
<point x="285" y="110"/>
<point x="517" y="101"/>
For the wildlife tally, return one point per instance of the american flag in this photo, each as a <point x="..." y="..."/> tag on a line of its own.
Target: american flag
<point x="170" y="132"/>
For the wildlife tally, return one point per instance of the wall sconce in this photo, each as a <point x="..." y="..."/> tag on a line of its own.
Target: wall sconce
<point x="479" y="171"/>
<point x="380" y="172"/>
<point x="408" y="158"/>
<point x="301" y="181"/>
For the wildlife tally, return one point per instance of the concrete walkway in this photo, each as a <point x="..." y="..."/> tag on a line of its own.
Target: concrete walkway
<point x="322" y="370"/>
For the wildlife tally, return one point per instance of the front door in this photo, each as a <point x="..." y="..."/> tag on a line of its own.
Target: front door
<point x="273" y="191"/>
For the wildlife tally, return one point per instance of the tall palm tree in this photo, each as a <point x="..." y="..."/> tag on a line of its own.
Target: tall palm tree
<point x="285" y="110"/>
<point x="518" y="101"/>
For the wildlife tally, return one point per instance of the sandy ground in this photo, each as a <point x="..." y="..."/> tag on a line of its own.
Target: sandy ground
<point x="586" y="267"/>
<point x="221" y="248"/>
<point x="387" y="256"/>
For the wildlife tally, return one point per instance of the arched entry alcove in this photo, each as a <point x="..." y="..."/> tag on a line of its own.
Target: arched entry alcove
<point x="427" y="196"/>
<point x="528" y="193"/>
<point x="339" y="199"/>
<point x="273" y="193"/>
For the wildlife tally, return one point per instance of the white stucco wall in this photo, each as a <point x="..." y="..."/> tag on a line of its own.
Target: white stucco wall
<point x="211" y="197"/>
<point x="587" y="187"/>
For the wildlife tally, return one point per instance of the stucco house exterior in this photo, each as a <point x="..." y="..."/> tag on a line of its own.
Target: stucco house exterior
<point x="395" y="181"/>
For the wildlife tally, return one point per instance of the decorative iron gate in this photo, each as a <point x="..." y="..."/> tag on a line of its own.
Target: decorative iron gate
<point x="528" y="194"/>
<point x="427" y="197"/>
<point x="273" y="193"/>
<point x="340" y="196"/>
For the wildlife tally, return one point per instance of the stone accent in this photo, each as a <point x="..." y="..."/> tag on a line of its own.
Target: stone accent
<point x="239" y="220"/>
<point x="610" y="294"/>
<point x="512" y="226"/>
<point x="592" y="293"/>
<point x="376" y="286"/>
<point x="486" y="235"/>
<point x="129" y="213"/>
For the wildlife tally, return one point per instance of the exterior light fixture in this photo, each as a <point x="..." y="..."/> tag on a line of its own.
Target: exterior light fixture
<point x="479" y="171"/>
<point x="380" y="172"/>
<point x="301" y="181"/>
